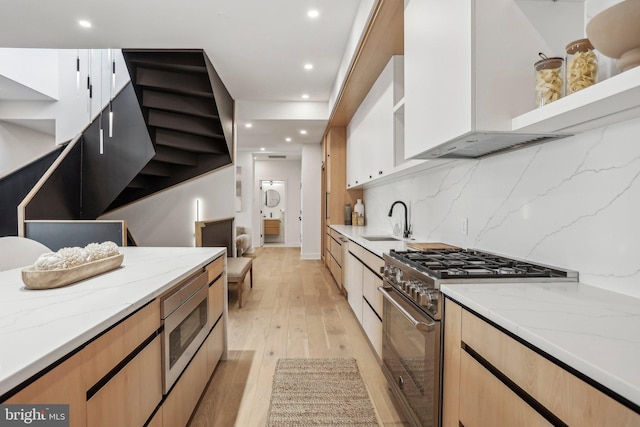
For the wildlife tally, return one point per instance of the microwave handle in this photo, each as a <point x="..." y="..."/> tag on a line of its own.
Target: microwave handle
<point x="421" y="326"/>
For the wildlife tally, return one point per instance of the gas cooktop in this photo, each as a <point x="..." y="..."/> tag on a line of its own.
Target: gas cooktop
<point x="474" y="264"/>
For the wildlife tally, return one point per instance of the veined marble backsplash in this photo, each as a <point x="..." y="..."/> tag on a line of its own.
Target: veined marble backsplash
<point x="572" y="203"/>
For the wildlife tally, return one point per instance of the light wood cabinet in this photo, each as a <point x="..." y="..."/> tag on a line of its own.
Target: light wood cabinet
<point x="64" y="384"/>
<point x="181" y="401"/>
<point x="474" y="350"/>
<point x="336" y="263"/>
<point x="216" y="300"/>
<point x="139" y="380"/>
<point x="215" y="268"/>
<point x="334" y="184"/>
<point x="156" y="421"/>
<point x="215" y="347"/>
<point x="486" y="401"/>
<point x="130" y="397"/>
<point x="111" y="348"/>
<point x="271" y="227"/>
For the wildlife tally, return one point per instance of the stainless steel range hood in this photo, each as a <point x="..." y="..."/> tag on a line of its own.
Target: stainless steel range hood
<point x="474" y="145"/>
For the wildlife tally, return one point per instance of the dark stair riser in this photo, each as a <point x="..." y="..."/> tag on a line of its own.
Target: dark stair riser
<point x="201" y="107"/>
<point x="184" y="123"/>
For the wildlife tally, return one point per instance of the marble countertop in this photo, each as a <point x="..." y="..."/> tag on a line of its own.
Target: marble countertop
<point x="593" y="330"/>
<point x="356" y="234"/>
<point x="38" y="327"/>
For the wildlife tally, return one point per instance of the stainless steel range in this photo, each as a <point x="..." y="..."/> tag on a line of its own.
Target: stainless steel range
<point x="412" y="316"/>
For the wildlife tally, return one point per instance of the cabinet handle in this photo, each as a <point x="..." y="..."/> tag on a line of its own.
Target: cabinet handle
<point x="370" y="176"/>
<point x="379" y="172"/>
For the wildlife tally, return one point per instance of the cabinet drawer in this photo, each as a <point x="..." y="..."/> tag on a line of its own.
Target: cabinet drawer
<point x="565" y="395"/>
<point x="486" y="401"/>
<point x="129" y="398"/>
<point x="336" y="250"/>
<point x="64" y="384"/>
<point x="370" y="284"/>
<point x="215" y="268"/>
<point x="181" y="401"/>
<point x="371" y="260"/>
<point x="372" y="326"/>
<point x="215" y="347"/>
<point x="104" y="353"/>
<point x="216" y="300"/>
<point x="333" y="233"/>
<point x="336" y="271"/>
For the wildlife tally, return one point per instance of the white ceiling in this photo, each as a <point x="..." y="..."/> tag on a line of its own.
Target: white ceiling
<point x="258" y="47"/>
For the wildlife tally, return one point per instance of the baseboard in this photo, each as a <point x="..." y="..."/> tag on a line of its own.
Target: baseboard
<point x="310" y="256"/>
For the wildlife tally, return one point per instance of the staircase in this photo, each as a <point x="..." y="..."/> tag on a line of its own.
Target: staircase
<point x="173" y="123"/>
<point x="188" y="113"/>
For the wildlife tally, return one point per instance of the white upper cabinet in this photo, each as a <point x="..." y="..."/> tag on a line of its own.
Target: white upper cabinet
<point x="469" y="77"/>
<point x="371" y="133"/>
<point x="468" y="69"/>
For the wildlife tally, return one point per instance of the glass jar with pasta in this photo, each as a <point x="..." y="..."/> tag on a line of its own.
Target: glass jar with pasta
<point x="582" y="65"/>
<point x="548" y="80"/>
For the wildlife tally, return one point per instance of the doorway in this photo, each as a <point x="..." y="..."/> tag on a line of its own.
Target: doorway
<point x="272" y="212"/>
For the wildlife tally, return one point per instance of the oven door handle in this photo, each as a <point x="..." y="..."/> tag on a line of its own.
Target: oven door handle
<point x="421" y="326"/>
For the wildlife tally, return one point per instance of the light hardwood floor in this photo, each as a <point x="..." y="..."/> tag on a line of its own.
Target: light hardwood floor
<point x="293" y="310"/>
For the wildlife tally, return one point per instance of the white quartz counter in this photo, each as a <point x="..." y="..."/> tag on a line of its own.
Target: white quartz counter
<point x="38" y="327"/>
<point x="356" y="234"/>
<point x="595" y="331"/>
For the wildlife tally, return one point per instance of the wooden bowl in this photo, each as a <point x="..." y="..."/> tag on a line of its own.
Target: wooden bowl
<point x="49" y="279"/>
<point x="615" y="32"/>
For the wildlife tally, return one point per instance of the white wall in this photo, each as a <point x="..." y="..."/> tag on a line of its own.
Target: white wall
<point x="19" y="146"/>
<point x="279" y="170"/>
<point x="571" y="203"/>
<point x="244" y="160"/>
<point x="168" y="218"/>
<point x="36" y="69"/>
<point x="311" y="198"/>
<point x="71" y="112"/>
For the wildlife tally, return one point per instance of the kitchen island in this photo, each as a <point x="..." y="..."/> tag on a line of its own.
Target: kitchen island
<point x="44" y="328"/>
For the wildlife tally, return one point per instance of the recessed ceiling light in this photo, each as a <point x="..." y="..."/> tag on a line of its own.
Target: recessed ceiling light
<point x="288" y="139"/>
<point x="84" y="23"/>
<point x="305" y="96"/>
<point x="313" y="13"/>
<point x="248" y="125"/>
<point x="308" y="66"/>
<point x="261" y="148"/>
<point x="303" y="132"/>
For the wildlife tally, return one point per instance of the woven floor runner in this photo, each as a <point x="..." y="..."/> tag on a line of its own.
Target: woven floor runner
<point x="319" y="392"/>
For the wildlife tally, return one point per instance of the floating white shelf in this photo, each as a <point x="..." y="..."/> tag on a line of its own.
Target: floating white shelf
<point x="611" y="101"/>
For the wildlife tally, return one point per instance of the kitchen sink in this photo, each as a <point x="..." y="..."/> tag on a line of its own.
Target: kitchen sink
<point x="381" y="238"/>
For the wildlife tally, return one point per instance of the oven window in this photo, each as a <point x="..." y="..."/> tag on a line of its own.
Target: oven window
<point x="182" y="335"/>
<point x="409" y="355"/>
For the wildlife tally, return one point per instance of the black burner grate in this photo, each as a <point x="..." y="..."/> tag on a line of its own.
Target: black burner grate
<point x="469" y="263"/>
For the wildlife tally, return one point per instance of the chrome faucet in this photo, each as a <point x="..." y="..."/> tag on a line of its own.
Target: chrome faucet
<point x="407" y="227"/>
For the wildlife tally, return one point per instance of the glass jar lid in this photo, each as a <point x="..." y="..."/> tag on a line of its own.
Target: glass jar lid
<point x="548" y="63"/>
<point x="581" y="45"/>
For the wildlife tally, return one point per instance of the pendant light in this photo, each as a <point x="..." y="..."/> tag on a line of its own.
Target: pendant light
<point x="101" y="131"/>
<point x="112" y="87"/>
<point x="78" y="71"/>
